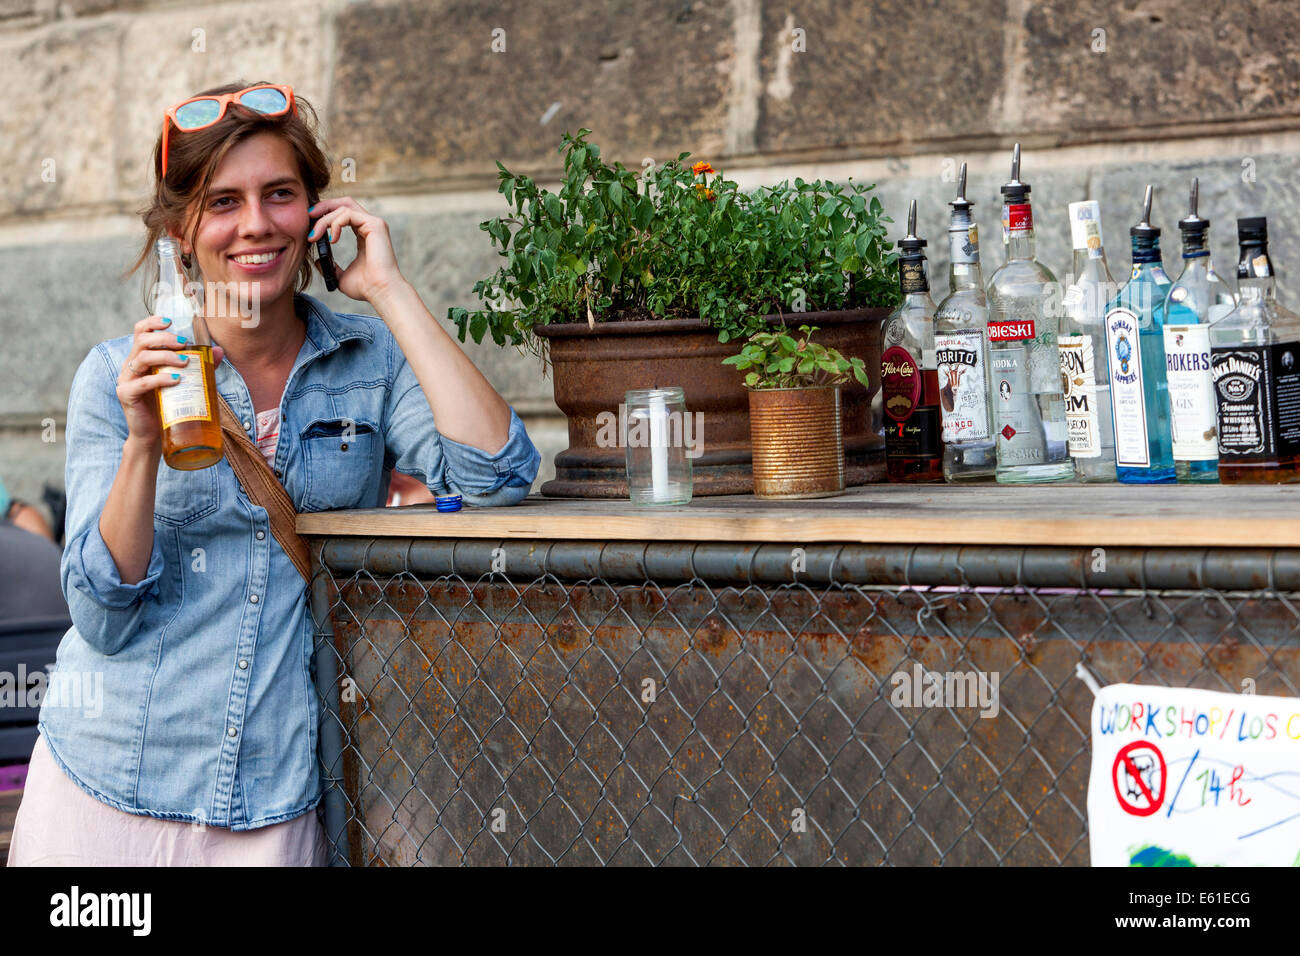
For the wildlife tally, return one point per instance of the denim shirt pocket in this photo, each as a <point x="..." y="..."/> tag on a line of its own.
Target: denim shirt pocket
<point x="182" y="497"/>
<point x="339" y="458"/>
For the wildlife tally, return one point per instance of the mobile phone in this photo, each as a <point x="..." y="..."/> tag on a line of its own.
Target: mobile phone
<point x="326" y="258"/>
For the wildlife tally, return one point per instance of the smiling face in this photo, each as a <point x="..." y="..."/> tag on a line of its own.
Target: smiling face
<point x="255" y="222"/>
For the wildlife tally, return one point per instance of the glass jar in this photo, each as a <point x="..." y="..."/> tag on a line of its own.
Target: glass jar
<point x="657" y="433"/>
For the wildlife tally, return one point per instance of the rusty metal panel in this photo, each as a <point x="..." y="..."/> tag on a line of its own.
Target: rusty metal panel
<point x="503" y="723"/>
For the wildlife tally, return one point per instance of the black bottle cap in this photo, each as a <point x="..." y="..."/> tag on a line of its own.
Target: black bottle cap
<point x="1144" y="229"/>
<point x="1252" y="229"/>
<point x="1015" y="191"/>
<point x="1193" y="222"/>
<point x="910" y="244"/>
<point x="961" y="203"/>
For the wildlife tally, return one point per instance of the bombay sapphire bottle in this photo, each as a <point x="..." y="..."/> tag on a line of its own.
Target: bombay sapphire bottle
<point x="1024" y="314"/>
<point x="1135" y="353"/>
<point x="961" y="345"/>
<point x="1196" y="299"/>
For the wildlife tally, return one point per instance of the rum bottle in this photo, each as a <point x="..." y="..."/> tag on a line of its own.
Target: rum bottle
<point x="1255" y="365"/>
<point x="1084" y="375"/>
<point x="909" y="377"/>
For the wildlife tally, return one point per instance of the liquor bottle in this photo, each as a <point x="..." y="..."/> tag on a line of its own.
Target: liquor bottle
<point x="1196" y="299"/>
<point x="962" y="353"/>
<point x="191" y="426"/>
<point x="1084" y="374"/>
<point x="1255" y="364"/>
<point x="1024" y="310"/>
<point x="1135" y="355"/>
<point x="909" y="378"/>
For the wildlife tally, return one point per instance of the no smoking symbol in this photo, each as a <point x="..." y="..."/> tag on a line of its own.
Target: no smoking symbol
<point x="1139" y="778"/>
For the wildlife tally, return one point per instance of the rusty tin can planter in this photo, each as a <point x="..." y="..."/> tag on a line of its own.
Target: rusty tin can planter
<point x="594" y="367"/>
<point x="798" y="442"/>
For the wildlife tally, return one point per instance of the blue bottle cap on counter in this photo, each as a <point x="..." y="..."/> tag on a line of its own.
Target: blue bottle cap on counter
<point x="447" y="502"/>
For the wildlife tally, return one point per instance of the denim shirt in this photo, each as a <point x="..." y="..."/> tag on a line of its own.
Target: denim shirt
<point x="189" y="695"/>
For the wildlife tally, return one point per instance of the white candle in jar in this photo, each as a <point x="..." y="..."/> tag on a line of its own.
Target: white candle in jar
<point x="658" y="447"/>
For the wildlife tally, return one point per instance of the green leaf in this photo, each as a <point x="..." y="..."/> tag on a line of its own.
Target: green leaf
<point x="477" y="326"/>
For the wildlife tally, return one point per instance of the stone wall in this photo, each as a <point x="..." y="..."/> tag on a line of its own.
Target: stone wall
<point x="419" y="99"/>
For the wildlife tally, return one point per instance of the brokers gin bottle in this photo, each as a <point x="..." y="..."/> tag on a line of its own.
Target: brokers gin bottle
<point x="1135" y="353"/>
<point x="1029" y="415"/>
<point x="909" y="379"/>
<point x="1255" y="365"/>
<point x="1197" y="298"/>
<point x="962" y="353"/>
<point x="191" y="426"/>
<point x="1084" y="375"/>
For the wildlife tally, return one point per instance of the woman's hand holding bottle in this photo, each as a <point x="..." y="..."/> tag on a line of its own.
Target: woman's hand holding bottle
<point x="153" y="346"/>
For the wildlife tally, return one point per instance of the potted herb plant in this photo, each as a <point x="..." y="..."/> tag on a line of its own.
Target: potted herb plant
<point x="794" y="412"/>
<point x="626" y="279"/>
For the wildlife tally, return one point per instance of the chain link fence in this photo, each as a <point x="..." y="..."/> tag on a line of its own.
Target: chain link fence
<point x="623" y="703"/>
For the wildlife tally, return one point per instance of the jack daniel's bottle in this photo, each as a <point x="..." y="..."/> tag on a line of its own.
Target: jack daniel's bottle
<point x="1255" y="365"/>
<point x="1023" y="316"/>
<point x="909" y="377"/>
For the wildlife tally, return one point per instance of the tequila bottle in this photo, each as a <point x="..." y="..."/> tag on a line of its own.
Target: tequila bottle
<point x="962" y="352"/>
<point x="1255" y="364"/>
<point x="1024" y="310"/>
<point x="1197" y="298"/>
<point x="909" y="379"/>
<point x="1135" y="354"/>
<point x="1084" y="374"/>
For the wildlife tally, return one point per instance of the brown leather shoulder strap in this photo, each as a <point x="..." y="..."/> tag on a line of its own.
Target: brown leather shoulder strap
<point x="261" y="485"/>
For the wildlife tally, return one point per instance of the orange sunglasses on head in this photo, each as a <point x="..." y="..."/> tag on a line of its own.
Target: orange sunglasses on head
<point x="200" y="112"/>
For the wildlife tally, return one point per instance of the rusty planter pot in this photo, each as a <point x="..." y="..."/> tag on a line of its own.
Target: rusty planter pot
<point x="592" y="368"/>
<point x="798" y="442"/>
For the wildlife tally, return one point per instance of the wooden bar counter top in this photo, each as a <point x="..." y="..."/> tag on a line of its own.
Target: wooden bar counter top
<point x="1231" y="516"/>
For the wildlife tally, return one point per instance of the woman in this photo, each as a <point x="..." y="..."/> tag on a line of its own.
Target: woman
<point x="180" y="722"/>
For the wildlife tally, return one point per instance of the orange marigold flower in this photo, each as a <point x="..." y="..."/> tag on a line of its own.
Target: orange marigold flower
<point x="701" y="167"/>
<point x="704" y="192"/>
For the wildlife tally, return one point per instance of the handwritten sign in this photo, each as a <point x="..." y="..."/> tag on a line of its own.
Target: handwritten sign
<point x="1186" y="777"/>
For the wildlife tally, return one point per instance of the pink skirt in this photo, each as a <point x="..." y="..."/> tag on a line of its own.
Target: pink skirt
<point x="59" y="824"/>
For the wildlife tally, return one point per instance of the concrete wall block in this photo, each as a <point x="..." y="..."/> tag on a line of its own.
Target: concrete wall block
<point x="419" y="92"/>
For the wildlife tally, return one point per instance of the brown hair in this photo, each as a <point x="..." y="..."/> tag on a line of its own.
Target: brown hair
<point x="193" y="158"/>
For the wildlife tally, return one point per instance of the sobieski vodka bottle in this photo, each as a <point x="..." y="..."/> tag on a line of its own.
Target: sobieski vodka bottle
<point x="1084" y="374"/>
<point x="1024" y="312"/>
<point x="1135" y="352"/>
<point x="962" y="353"/>
<point x="1197" y="298"/>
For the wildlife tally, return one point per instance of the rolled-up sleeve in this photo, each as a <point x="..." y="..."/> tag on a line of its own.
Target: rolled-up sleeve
<point x="106" y="612"/>
<point x="450" y="467"/>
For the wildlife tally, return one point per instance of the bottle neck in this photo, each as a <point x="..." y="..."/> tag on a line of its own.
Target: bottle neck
<point x="1146" y="251"/>
<point x="1091" y="263"/>
<point x="963" y="254"/>
<point x="912" y="280"/>
<point x="1255" y="279"/>
<point x="1018" y="230"/>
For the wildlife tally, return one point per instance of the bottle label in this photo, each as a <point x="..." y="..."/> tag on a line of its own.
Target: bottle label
<point x="1128" y="405"/>
<point x="1020" y="439"/>
<point x="912" y="277"/>
<point x="187" y="400"/>
<point x="961" y="355"/>
<point x="1079" y="383"/>
<point x="917" y="437"/>
<point x="1011" y="331"/>
<point x="900" y="382"/>
<point x="1257" y="394"/>
<point x="1018" y="219"/>
<point x="1191" y="392"/>
<point x="964" y="245"/>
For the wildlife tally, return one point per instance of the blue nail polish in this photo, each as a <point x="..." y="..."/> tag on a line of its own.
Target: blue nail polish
<point x="167" y="321"/>
<point x="176" y="374"/>
<point x="185" y="359"/>
<point x="181" y="339"/>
